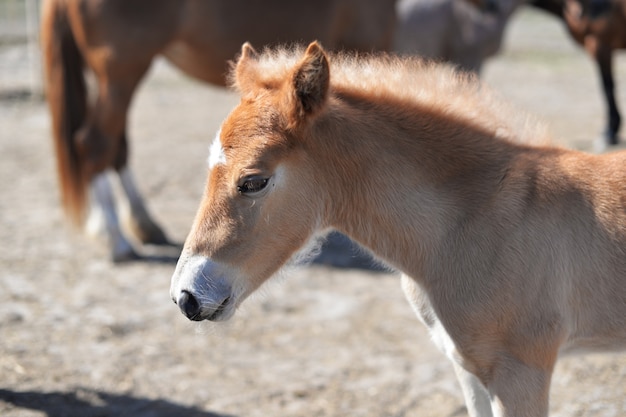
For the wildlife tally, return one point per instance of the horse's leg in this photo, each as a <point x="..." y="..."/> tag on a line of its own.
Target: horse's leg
<point x="519" y="390"/>
<point x="121" y="249"/>
<point x="475" y="394"/>
<point x="136" y="215"/>
<point x="604" y="57"/>
<point x="103" y="144"/>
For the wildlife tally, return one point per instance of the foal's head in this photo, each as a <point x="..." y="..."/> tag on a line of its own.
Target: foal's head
<point x="260" y="204"/>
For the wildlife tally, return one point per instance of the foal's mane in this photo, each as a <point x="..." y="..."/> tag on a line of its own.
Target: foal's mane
<point x="439" y="86"/>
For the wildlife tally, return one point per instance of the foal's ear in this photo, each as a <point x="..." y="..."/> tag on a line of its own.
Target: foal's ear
<point x="241" y="77"/>
<point x="310" y="81"/>
<point x="248" y="52"/>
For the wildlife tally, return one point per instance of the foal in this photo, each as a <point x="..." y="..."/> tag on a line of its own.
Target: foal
<point x="510" y="253"/>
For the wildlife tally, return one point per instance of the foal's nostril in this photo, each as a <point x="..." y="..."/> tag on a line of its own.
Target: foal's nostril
<point x="189" y="305"/>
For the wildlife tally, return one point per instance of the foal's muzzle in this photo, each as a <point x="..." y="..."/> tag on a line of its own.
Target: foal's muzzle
<point x="201" y="290"/>
<point x="189" y="305"/>
<point x="191" y="308"/>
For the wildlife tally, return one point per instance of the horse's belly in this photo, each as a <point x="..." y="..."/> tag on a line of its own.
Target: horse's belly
<point x="197" y="63"/>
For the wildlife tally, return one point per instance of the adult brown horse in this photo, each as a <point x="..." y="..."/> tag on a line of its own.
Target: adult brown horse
<point x="465" y="33"/>
<point x="600" y="27"/>
<point x="118" y="39"/>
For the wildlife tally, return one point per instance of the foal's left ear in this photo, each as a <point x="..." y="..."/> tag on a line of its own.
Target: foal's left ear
<point x="311" y="80"/>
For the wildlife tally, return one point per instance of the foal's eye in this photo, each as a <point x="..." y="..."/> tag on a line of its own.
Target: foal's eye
<point x="251" y="185"/>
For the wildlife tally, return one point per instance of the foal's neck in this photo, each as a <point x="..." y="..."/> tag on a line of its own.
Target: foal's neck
<point x="402" y="177"/>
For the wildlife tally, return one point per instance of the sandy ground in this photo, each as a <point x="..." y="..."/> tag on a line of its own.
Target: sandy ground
<point x="82" y="337"/>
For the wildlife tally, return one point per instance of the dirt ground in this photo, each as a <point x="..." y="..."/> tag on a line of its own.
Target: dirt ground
<point x="82" y="337"/>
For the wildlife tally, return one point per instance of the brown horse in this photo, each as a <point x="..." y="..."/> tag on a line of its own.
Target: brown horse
<point x="118" y="39"/>
<point x="600" y="27"/>
<point x="511" y="252"/>
<point x="465" y="33"/>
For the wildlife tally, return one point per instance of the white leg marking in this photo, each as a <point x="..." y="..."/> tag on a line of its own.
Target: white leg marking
<point x="128" y="184"/>
<point x="135" y="212"/>
<point x="103" y="194"/>
<point x="95" y="225"/>
<point x="476" y="396"/>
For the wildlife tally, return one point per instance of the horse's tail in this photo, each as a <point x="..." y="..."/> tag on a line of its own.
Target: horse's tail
<point x="67" y="98"/>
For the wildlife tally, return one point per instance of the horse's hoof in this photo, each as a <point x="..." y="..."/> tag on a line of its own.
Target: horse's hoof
<point x="599" y="145"/>
<point x="611" y="137"/>
<point x="606" y="142"/>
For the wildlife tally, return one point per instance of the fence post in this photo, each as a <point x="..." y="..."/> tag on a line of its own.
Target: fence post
<point x="34" y="54"/>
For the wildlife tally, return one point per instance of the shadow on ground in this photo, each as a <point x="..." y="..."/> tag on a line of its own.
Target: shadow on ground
<point x="91" y="403"/>
<point x="339" y="251"/>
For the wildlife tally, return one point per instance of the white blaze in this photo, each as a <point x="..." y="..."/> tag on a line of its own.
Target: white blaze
<point x="216" y="152"/>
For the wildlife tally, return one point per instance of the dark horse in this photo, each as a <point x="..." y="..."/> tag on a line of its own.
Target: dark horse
<point x="600" y="27"/>
<point x="118" y="39"/>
